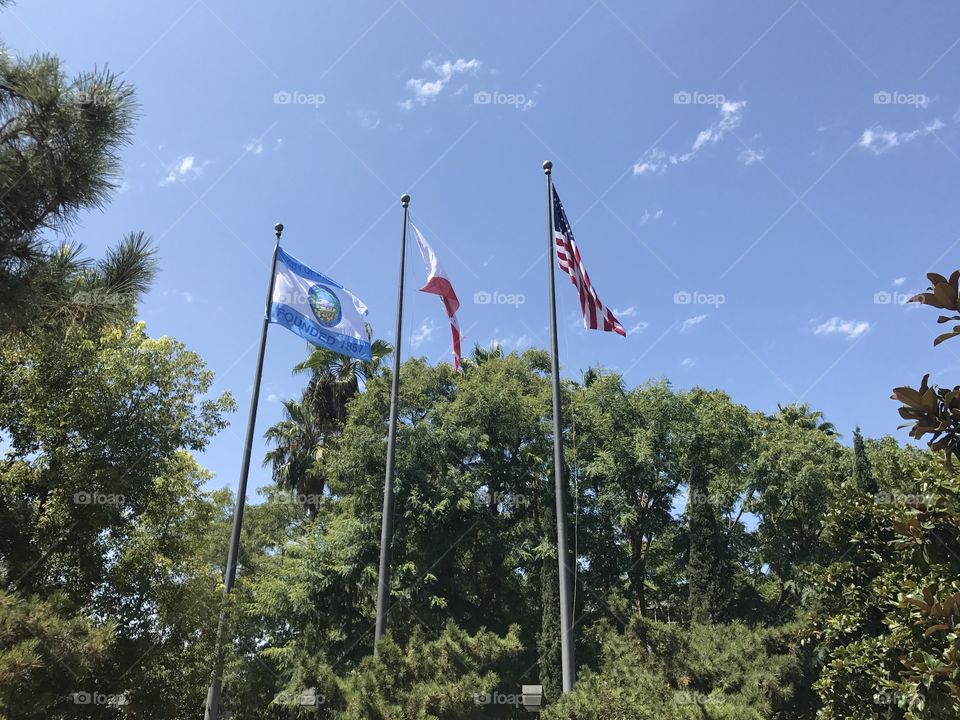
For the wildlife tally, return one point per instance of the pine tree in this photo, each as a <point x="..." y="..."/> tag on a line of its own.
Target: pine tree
<point x="862" y="470"/>
<point x="60" y="142"/>
<point x="707" y="575"/>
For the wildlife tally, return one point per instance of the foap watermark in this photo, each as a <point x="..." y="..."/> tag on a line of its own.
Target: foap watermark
<point x="696" y="97"/>
<point x="98" y="698"/>
<point x="508" y="501"/>
<point x="484" y="97"/>
<point x="685" y="297"/>
<point x="895" y="97"/>
<point x="100" y="97"/>
<point x="692" y="697"/>
<point x="894" y="698"/>
<point x="91" y="297"/>
<point x="97" y="498"/>
<point x="295" y="97"/>
<point x="885" y="497"/>
<point x="498" y="698"/>
<point x="308" y="699"/>
<point x="885" y="297"/>
<point x="283" y="498"/>
<point x="484" y="297"/>
<point x="702" y="498"/>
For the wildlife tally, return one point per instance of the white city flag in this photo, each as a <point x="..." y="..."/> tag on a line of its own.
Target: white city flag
<point x="318" y="309"/>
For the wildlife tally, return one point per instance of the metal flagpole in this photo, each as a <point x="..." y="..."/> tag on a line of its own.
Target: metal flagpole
<point x="566" y="631"/>
<point x="213" y="694"/>
<point x="386" y="528"/>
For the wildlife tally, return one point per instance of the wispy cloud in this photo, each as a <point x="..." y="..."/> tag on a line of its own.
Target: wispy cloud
<point x="656" y="161"/>
<point x="899" y="281"/>
<point x="688" y="362"/>
<point x="422" y="334"/>
<point x="183" y="167"/>
<point x="647" y="216"/>
<point x="626" y="312"/>
<point x="638" y="328"/>
<point x="879" y="140"/>
<point x="184" y="295"/>
<point x="850" y="329"/>
<point x="692" y="322"/>
<point x="751" y="157"/>
<point x="255" y="147"/>
<point x="368" y="119"/>
<point x="427" y="89"/>
<point x="512" y="343"/>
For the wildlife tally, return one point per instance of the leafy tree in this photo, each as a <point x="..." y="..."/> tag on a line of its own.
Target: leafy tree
<point x="100" y="503"/>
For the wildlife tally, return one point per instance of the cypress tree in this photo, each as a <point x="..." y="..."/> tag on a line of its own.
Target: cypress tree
<point x="548" y="640"/>
<point x="707" y="575"/>
<point x="862" y="470"/>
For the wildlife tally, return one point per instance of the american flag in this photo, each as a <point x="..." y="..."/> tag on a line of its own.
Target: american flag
<point x="595" y="315"/>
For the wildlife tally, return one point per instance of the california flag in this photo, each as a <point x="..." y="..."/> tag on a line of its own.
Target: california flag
<point x="439" y="284"/>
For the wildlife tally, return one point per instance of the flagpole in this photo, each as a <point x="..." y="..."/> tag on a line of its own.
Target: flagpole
<point x="213" y="694"/>
<point x="566" y="631"/>
<point x="386" y="526"/>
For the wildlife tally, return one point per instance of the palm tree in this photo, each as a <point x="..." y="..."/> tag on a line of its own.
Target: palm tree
<point x="336" y="378"/>
<point x="800" y="415"/>
<point x="310" y="423"/>
<point x="295" y="459"/>
<point x="481" y="354"/>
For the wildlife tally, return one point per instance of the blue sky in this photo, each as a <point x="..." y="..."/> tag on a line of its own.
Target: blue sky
<point x="754" y="187"/>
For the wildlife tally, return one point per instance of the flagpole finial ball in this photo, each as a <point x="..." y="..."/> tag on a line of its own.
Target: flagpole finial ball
<point x="278" y="228"/>
<point x="547" y="166"/>
<point x="405" y="199"/>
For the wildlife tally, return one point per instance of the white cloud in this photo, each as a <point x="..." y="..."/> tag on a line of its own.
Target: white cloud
<point x="186" y="165"/>
<point x="688" y="362"/>
<point x="626" y="312"/>
<point x="899" y="281"/>
<point x="879" y="140"/>
<point x="656" y="161"/>
<point x="368" y="120"/>
<point x="750" y="157"/>
<point x="422" y="334"/>
<point x="255" y="147"/>
<point x="692" y="322"/>
<point x="639" y="327"/>
<point x="648" y="216"/>
<point x="851" y="329"/>
<point x="427" y="89"/>
<point x="184" y="295"/>
<point x="512" y="343"/>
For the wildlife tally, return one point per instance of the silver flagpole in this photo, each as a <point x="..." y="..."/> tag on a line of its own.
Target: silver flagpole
<point x="566" y="631"/>
<point x="386" y="527"/>
<point x="213" y="694"/>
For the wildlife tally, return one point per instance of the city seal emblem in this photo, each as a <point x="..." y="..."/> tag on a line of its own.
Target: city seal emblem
<point x="325" y="305"/>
